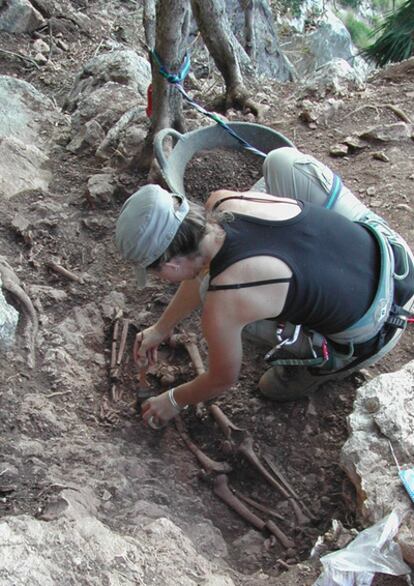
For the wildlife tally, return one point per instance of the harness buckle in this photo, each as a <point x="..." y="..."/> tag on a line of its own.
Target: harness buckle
<point x="283" y="341"/>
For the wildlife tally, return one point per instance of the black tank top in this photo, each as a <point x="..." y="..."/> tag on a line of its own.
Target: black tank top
<point x="334" y="263"/>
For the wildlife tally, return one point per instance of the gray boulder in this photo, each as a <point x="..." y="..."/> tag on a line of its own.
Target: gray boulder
<point x="26" y="126"/>
<point x="19" y="16"/>
<point x="328" y="40"/>
<point x="263" y="47"/>
<point x="123" y="67"/>
<point x="383" y="416"/>
<point x="335" y="77"/>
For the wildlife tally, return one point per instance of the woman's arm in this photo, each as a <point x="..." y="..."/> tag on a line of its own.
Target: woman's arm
<point x="184" y="302"/>
<point x="222" y="330"/>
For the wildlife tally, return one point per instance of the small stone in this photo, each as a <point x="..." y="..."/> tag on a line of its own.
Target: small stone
<point x="40" y="46"/>
<point x="375" y="203"/>
<point x="62" y="45"/>
<point x="371" y="190"/>
<point x="313" y="125"/>
<point x="372" y="404"/>
<point x="355" y="143"/>
<point x="20" y="223"/>
<point x="380" y="156"/>
<point x="40" y="59"/>
<point x="338" y="150"/>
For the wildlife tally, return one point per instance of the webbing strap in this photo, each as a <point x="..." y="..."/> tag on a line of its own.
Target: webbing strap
<point x="171" y="77"/>
<point x="250" y="284"/>
<point x="177" y="79"/>
<point x="335" y="191"/>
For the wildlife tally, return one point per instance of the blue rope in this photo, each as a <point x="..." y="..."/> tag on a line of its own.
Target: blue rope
<point x="177" y="81"/>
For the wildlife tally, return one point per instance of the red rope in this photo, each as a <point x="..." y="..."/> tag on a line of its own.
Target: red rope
<point x="149" y="101"/>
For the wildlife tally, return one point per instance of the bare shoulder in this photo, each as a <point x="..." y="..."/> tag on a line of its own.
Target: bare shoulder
<point x="217" y="196"/>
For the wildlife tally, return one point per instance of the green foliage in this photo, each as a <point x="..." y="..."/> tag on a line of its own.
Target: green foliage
<point x="395" y="40"/>
<point x="382" y="5"/>
<point x="360" y="32"/>
<point x="351" y="3"/>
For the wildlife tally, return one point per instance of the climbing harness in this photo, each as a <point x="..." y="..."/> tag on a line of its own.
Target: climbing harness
<point x="334" y="193"/>
<point x="348" y="349"/>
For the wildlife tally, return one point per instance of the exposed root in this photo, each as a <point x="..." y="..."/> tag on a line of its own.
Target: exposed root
<point x="237" y="97"/>
<point x="11" y="283"/>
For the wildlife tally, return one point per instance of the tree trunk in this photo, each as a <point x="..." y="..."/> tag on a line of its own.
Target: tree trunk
<point x="269" y="58"/>
<point x="260" y="39"/>
<point x="229" y="56"/>
<point x="149" y="22"/>
<point x="250" y="45"/>
<point x="172" y="26"/>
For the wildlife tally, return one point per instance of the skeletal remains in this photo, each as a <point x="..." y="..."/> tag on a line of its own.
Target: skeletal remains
<point x="237" y="442"/>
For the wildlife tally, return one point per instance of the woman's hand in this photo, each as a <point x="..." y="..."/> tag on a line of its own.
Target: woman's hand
<point x="146" y="345"/>
<point x="158" y="410"/>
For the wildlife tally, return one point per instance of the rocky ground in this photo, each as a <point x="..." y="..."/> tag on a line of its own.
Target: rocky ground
<point x="67" y="439"/>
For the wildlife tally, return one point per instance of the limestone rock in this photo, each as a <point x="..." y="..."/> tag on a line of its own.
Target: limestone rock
<point x="124" y="67"/>
<point x="81" y="548"/>
<point x="22" y="168"/>
<point x="338" y="150"/>
<point x="102" y="187"/>
<point x="9" y="317"/>
<point x="105" y="105"/>
<point x="383" y="412"/>
<point x="388" y="132"/>
<point x="20" y="16"/>
<point x="336" y="77"/>
<point x="327" y="41"/>
<point x="29" y="115"/>
<point x="26" y="127"/>
<point x="124" y="138"/>
<point x="88" y="136"/>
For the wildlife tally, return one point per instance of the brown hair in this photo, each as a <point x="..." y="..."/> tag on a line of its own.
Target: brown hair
<point x="188" y="237"/>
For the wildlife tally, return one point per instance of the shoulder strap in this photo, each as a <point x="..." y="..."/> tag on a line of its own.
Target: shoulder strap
<point x="256" y="199"/>
<point x="245" y="285"/>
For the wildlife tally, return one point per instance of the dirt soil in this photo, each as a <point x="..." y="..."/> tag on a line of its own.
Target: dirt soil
<point x="304" y="438"/>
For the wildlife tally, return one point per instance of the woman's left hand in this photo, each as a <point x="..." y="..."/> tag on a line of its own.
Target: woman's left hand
<point x="157" y="411"/>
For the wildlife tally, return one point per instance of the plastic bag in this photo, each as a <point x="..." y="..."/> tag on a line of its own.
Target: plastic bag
<point x="372" y="551"/>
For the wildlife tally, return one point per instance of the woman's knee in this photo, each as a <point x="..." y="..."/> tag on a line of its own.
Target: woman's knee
<point x="280" y="159"/>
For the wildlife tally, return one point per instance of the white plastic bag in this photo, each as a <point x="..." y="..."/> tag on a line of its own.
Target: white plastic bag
<point x="372" y="551"/>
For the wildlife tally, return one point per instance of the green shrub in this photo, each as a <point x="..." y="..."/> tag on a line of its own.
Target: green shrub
<point x="394" y="37"/>
<point x="359" y="31"/>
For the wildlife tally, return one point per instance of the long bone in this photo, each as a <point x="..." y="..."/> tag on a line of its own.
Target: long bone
<point x="278" y="474"/>
<point x="246" y="446"/>
<point x="189" y="341"/>
<point x="206" y="462"/>
<point x="222" y="490"/>
<point x="258" y="506"/>
<point x="246" y="449"/>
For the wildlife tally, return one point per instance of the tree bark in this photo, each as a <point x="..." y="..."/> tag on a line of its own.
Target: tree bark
<point x="172" y="26"/>
<point x="149" y="22"/>
<point x="261" y="41"/>
<point x="229" y="56"/>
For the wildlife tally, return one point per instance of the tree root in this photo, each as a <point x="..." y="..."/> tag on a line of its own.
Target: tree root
<point x="238" y="97"/>
<point x="11" y="283"/>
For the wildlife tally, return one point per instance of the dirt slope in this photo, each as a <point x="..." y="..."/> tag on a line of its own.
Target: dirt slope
<point x="304" y="438"/>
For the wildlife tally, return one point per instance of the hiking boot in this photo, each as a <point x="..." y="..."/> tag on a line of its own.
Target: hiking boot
<point x="288" y="383"/>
